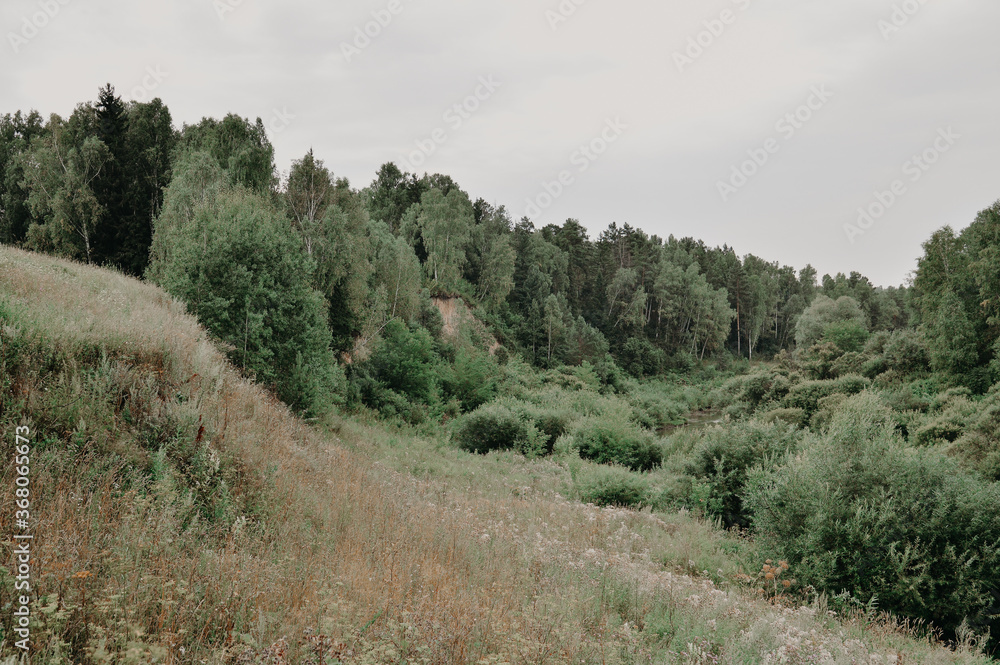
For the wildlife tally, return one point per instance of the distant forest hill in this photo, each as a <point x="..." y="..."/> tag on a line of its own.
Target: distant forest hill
<point x="117" y="184"/>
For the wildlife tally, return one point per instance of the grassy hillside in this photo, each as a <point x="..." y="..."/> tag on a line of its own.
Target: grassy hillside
<point x="181" y="514"/>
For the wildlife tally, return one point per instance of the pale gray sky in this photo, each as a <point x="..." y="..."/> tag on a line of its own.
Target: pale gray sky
<point x="670" y="122"/>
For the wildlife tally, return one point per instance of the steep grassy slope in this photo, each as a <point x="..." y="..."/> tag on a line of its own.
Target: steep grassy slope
<point x="182" y="515"/>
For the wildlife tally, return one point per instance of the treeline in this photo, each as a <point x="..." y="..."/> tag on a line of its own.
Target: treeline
<point x="294" y="271"/>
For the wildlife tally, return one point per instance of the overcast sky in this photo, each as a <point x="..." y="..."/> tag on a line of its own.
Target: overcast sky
<point x="670" y="99"/>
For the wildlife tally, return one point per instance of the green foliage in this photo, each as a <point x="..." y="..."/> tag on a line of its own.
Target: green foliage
<point x="612" y="486"/>
<point x="724" y="457"/>
<point x="827" y="407"/>
<point x="806" y="395"/>
<point x="820" y="360"/>
<point x="795" y="417"/>
<point x="848" y="336"/>
<point x="954" y="349"/>
<point x="825" y="312"/>
<point x="407" y="363"/>
<point x="613" y="442"/>
<point x="59" y="175"/>
<point x="907" y="351"/>
<point x="639" y="357"/>
<point x="493" y="427"/>
<point x="16" y="133"/>
<point x="239" y="268"/>
<point x="750" y="392"/>
<point x="472" y="378"/>
<point x="653" y="412"/>
<point x="858" y="511"/>
<point x="851" y="362"/>
<point x="239" y="147"/>
<point x="978" y="445"/>
<point x="442" y="223"/>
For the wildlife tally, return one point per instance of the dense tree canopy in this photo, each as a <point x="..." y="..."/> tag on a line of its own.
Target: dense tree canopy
<point x="94" y="186"/>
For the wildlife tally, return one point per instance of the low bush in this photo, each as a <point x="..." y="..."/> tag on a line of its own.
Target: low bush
<point x="826" y="409"/>
<point x="407" y="363"/>
<point x="859" y="511"/>
<point x="472" y="378"/>
<point x="613" y="486"/>
<point x="906" y="351"/>
<point x="492" y="427"/>
<point x="752" y="391"/>
<point x="806" y="395"/>
<point x="724" y="457"/>
<point x="639" y="357"/>
<point x="849" y="363"/>
<point x="978" y="447"/>
<point x="944" y="428"/>
<point x="795" y="417"/>
<point x="611" y="442"/>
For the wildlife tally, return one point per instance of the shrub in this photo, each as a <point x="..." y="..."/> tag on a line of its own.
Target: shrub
<point x="978" y="447"/>
<point x="806" y="395"/>
<point x="906" y="351"/>
<point x="641" y="358"/>
<point x="872" y="367"/>
<point x="823" y="313"/>
<point x="858" y="511"/>
<point x="654" y="414"/>
<point x="875" y="346"/>
<point x="818" y="360"/>
<point x="848" y="336"/>
<point x="849" y="363"/>
<point x="827" y="408"/>
<point x="548" y="424"/>
<point x="724" y="456"/>
<point x="551" y="426"/>
<point x="609" y="442"/>
<point x="757" y="389"/>
<point x="795" y="417"/>
<point x="610" y="374"/>
<point x="613" y="486"/>
<point x="471" y="379"/>
<point x="946" y="427"/>
<point x="406" y="362"/>
<point x="492" y="427"/>
<point x="852" y="384"/>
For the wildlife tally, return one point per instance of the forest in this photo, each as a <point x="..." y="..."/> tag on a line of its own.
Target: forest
<point x="856" y="429"/>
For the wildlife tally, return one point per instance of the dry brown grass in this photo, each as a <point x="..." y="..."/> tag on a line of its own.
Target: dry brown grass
<point x="349" y="561"/>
